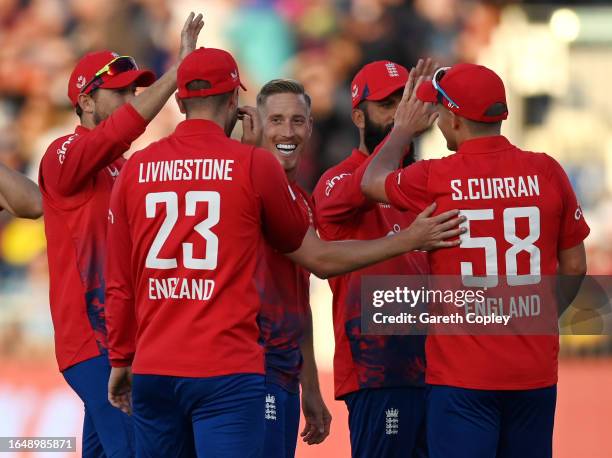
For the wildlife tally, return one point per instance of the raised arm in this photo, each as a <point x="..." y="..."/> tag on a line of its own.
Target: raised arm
<point x="82" y="155"/>
<point x="19" y="195"/>
<point x="151" y="100"/>
<point x="411" y="118"/>
<point x="327" y="259"/>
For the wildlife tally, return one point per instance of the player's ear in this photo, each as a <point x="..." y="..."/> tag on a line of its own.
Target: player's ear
<point x="456" y="121"/>
<point x="233" y="101"/>
<point x="310" y="124"/>
<point x="87" y="103"/>
<point x="358" y="117"/>
<point x="180" y="103"/>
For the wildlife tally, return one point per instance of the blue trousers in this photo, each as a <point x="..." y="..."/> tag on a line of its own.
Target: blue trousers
<point x="282" y="419"/>
<point x="464" y="423"/>
<point x="387" y="422"/>
<point x="107" y="432"/>
<point x="212" y="417"/>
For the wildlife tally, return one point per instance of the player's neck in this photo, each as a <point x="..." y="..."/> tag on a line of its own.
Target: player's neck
<point x="291" y="174"/>
<point x="475" y="135"/>
<point x="363" y="148"/>
<point x="87" y="121"/>
<point x="88" y="124"/>
<point x="218" y="119"/>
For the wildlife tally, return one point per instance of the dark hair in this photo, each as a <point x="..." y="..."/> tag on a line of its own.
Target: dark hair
<point x="213" y="101"/>
<point x="282" y="86"/>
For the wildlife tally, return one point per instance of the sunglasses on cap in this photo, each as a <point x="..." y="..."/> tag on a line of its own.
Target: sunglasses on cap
<point x="118" y="65"/>
<point x="436" y="84"/>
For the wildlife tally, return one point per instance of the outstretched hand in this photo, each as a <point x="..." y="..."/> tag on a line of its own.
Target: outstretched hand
<point x="434" y="232"/>
<point x="413" y="116"/>
<point x="189" y="34"/>
<point x="424" y="68"/>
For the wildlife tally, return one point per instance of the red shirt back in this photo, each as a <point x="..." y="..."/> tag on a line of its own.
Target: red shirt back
<point x="186" y="220"/>
<point x="521" y="211"/>
<point x="76" y="176"/>
<point x="342" y="212"/>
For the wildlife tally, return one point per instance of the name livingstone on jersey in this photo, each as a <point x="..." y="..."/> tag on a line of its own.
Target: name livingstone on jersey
<point x="186" y="170"/>
<point x="495" y="188"/>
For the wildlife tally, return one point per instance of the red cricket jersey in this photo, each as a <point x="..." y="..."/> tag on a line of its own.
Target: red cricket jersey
<point x="187" y="216"/>
<point x="520" y="206"/>
<point x="342" y="212"/>
<point x="283" y="288"/>
<point x="76" y="176"/>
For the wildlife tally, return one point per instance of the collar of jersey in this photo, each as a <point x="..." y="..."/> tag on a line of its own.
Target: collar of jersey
<point x="358" y="155"/>
<point x="485" y="145"/>
<point x="198" y="127"/>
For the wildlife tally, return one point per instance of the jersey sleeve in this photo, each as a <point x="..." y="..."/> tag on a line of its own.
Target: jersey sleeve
<point x="407" y="188"/>
<point x="338" y="197"/>
<point x="283" y="221"/>
<point x="120" y="305"/>
<point x="574" y="228"/>
<point x="86" y="154"/>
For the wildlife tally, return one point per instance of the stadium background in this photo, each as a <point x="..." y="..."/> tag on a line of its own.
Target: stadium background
<point x="555" y="59"/>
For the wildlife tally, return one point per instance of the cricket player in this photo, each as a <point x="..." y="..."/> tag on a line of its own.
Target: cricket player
<point x="19" y="195"/>
<point x="380" y="378"/>
<point x="187" y="216"/>
<point x="285" y="319"/>
<point x="76" y="176"/>
<point x="489" y="395"/>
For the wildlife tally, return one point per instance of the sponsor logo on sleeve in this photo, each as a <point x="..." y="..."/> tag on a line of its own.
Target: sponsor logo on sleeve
<point x="329" y="184"/>
<point x="61" y="151"/>
<point x="578" y="214"/>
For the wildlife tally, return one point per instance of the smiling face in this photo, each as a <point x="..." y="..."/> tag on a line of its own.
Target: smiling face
<point x="287" y="126"/>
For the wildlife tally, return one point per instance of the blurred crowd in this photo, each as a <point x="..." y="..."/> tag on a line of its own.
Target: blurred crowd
<point x="319" y="42"/>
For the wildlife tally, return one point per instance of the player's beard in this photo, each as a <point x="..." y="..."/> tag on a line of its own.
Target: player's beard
<point x="98" y="117"/>
<point x="374" y="133"/>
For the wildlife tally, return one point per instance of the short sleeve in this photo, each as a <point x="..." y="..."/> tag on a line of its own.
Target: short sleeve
<point x="407" y="188"/>
<point x="338" y="196"/>
<point x="574" y="229"/>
